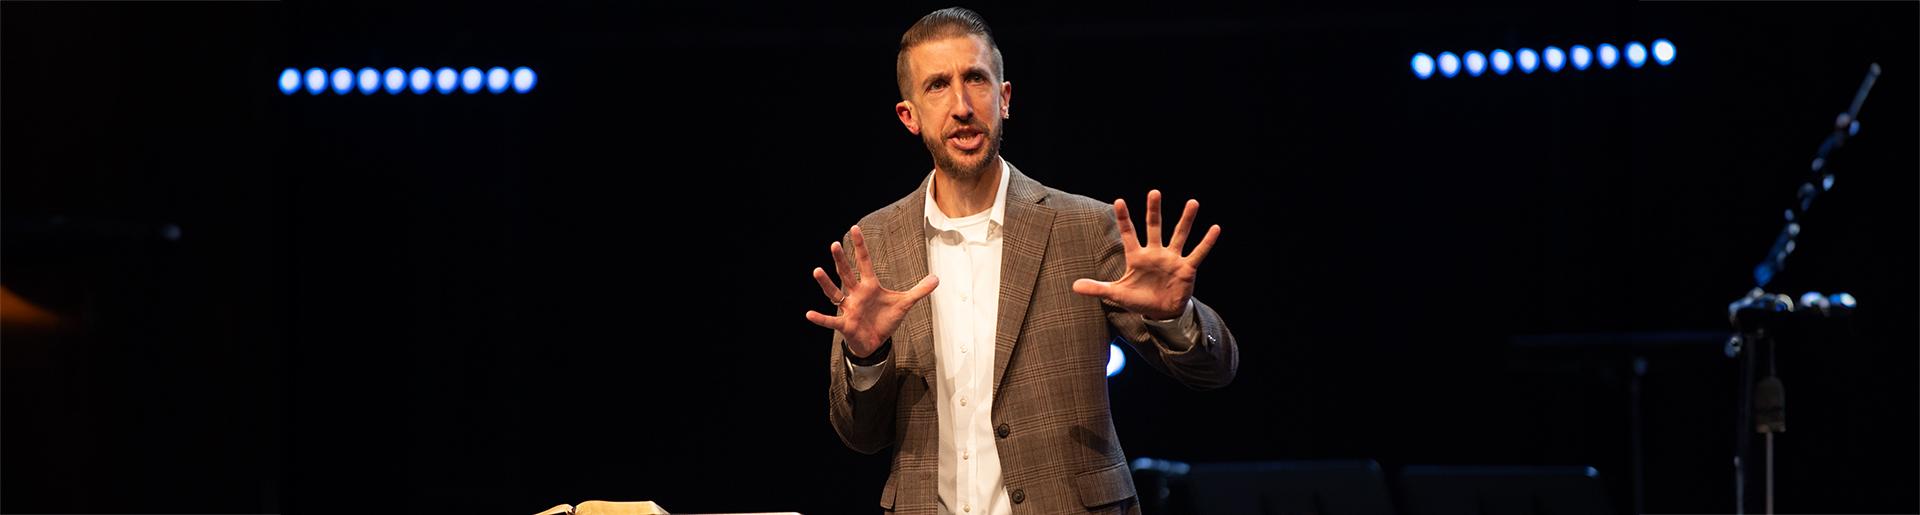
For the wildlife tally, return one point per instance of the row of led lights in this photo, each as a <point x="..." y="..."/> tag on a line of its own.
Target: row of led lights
<point x="369" y="81"/>
<point x="1553" y="58"/>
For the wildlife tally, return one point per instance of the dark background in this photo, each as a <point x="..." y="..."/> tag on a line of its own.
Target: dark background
<point x="594" y="291"/>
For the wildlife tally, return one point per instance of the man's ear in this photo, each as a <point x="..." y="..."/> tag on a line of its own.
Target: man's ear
<point x="1006" y="100"/>
<point x="904" y="110"/>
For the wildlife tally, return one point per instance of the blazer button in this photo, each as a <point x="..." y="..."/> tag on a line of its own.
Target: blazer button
<point x="1002" y="431"/>
<point x="1019" y="496"/>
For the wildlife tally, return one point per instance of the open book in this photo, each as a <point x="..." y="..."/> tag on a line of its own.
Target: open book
<point x="618" y="508"/>
<point x="607" y="508"/>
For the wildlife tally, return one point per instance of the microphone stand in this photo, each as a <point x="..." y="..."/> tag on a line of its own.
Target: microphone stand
<point x="1757" y="317"/>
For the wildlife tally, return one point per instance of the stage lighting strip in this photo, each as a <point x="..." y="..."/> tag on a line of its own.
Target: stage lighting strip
<point x="394" y="81"/>
<point x="1578" y="57"/>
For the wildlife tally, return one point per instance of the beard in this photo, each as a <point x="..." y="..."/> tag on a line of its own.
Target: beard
<point x="963" y="167"/>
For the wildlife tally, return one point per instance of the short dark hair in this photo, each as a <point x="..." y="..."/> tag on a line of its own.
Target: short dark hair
<point x="942" y="24"/>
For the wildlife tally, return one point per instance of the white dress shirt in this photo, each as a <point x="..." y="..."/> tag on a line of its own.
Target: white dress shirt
<point x="965" y="254"/>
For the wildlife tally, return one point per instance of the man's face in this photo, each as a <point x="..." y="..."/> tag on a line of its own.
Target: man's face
<point x="956" y="104"/>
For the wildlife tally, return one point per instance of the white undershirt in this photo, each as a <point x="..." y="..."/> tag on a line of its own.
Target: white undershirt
<point x="965" y="254"/>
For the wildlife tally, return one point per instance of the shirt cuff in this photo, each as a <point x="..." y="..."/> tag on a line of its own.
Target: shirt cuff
<point x="864" y="377"/>
<point x="1179" y="333"/>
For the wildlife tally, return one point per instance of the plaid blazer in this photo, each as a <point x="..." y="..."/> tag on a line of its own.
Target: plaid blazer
<point x="1058" y="450"/>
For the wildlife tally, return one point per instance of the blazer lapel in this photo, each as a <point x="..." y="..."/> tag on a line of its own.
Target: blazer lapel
<point x="1024" y="238"/>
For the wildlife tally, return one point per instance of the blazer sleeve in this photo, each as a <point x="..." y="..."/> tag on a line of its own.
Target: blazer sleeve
<point x="863" y="419"/>
<point x="1206" y="364"/>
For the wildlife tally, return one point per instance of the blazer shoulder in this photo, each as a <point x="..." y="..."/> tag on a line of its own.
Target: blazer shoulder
<point x="1079" y="209"/>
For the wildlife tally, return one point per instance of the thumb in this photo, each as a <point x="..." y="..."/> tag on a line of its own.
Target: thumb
<point x="1092" y="288"/>
<point x="923" y="288"/>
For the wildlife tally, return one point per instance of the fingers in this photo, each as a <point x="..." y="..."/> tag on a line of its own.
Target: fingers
<point x="1206" y="245"/>
<point x="1092" y="288"/>
<point x="1153" y="219"/>
<point x="860" y="257"/>
<point x="826" y="285"/>
<point x="1185" y="224"/>
<point x="840" y="265"/>
<point x="1125" y="220"/>
<point x="834" y="323"/>
<point x="922" y="289"/>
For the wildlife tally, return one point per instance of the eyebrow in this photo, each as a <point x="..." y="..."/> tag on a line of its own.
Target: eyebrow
<point x="924" y="84"/>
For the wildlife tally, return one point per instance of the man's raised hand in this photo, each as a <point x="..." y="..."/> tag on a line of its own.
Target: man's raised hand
<point x="868" y="313"/>
<point x="1159" y="280"/>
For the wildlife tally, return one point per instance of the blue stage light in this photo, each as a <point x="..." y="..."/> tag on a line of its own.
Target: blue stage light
<point x="523" y="79"/>
<point x="1501" y="60"/>
<point x="1449" y="64"/>
<point x="444" y="80"/>
<point x="1581" y="57"/>
<point x="419" y="80"/>
<point x="1663" y="51"/>
<point x="1476" y="63"/>
<point x="496" y="80"/>
<point x="369" y="81"/>
<point x="342" y="81"/>
<point x="1553" y="58"/>
<point x="470" y="79"/>
<point x="316" y="81"/>
<point x="289" y="81"/>
<point x="1608" y="55"/>
<point x="1843" y="299"/>
<point x="1422" y="66"/>
<point x="396" y="80"/>
<point x="1636" y="54"/>
<point x="1527" y="59"/>
<point x="1812" y="299"/>
<point x="1116" y="360"/>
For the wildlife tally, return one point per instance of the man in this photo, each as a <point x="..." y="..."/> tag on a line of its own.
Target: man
<point x="974" y="315"/>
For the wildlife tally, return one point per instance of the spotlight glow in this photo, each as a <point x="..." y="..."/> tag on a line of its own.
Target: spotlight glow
<point x="523" y="79"/>
<point x="419" y="80"/>
<point x="1636" y="54"/>
<point x="1476" y="63"/>
<point x="443" y="80"/>
<point x="470" y="80"/>
<point x="289" y="81"/>
<point x="1608" y="55"/>
<point x="396" y="80"/>
<point x="1422" y="67"/>
<point x="1449" y="64"/>
<point x="1502" y="61"/>
<point x="1663" y="51"/>
<point x="1528" y="60"/>
<point x="316" y="81"/>
<point x="1553" y="58"/>
<point x="342" y="81"/>
<point x="1116" y="360"/>
<point x="369" y="81"/>
<point x="496" y="80"/>
<point x="1582" y="57"/>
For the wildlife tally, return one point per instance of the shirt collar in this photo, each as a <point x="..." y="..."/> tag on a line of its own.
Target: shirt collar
<point x="939" y="221"/>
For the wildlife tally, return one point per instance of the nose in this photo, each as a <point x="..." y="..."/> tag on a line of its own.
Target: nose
<point x="962" y="109"/>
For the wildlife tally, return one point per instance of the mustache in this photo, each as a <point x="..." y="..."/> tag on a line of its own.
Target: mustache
<point x="956" y="131"/>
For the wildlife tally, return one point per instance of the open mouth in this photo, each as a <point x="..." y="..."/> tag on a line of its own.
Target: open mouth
<point x="967" y="139"/>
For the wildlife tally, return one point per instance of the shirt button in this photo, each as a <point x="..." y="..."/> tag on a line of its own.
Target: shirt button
<point x="963" y="401"/>
<point x="966" y="508"/>
<point x="966" y="455"/>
